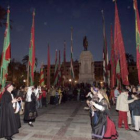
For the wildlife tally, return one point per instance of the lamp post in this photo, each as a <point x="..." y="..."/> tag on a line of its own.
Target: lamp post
<point x="70" y="81"/>
<point x="101" y="83"/>
<point x="24" y="81"/>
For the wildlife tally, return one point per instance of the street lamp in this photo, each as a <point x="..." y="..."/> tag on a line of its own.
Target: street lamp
<point x="101" y="82"/>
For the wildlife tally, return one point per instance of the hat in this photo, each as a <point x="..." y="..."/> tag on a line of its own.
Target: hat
<point x="8" y="85"/>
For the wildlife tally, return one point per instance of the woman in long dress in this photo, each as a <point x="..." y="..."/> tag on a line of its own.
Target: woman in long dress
<point x="103" y="128"/>
<point x="30" y="113"/>
<point x="8" y="122"/>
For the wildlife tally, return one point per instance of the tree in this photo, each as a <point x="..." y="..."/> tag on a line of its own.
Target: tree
<point x="133" y="78"/>
<point x="133" y="74"/>
<point x="130" y="59"/>
<point x="16" y="72"/>
<point x="26" y="59"/>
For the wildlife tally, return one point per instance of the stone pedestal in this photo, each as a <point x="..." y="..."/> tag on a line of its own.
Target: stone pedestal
<point x="86" y="68"/>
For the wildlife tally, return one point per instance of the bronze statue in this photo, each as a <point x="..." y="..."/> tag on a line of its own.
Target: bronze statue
<point x="85" y="43"/>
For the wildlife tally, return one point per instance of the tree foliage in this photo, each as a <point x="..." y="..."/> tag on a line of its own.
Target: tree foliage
<point x="130" y="59"/>
<point x="26" y="59"/>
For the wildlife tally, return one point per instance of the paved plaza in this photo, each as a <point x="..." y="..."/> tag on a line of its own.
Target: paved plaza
<point x="65" y="122"/>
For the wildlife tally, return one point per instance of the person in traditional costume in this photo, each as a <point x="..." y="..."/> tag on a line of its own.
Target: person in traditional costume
<point x="123" y="107"/>
<point x="91" y="96"/>
<point x="44" y="95"/>
<point x="103" y="92"/>
<point x="36" y="91"/>
<point x="8" y="122"/>
<point x="103" y="128"/>
<point x="30" y="113"/>
<point x="17" y="107"/>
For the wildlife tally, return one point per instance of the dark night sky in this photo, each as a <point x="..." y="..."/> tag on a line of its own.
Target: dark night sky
<point x="54" y="19"/>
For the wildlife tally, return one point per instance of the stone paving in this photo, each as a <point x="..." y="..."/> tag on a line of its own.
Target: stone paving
<point x="66" y="122"/>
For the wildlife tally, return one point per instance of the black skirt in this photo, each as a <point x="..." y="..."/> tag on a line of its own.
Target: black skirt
<point x="17" y="116"/>
<point x="30" y="113"/>
<point x="8" y="123"/>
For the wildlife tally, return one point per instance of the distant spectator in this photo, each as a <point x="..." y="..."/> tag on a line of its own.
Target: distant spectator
<point x="40" y="100"/>
<point x="116" y="94"/>
<point x="44" y="95"/>
<point x="135" y="107"/>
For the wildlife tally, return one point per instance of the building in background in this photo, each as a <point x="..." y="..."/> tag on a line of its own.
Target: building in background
<point x="98" y="70"/>
<point x="66" y="73"/>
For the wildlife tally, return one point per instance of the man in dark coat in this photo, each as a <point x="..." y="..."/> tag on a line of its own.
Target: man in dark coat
<point x="8" y="123"/>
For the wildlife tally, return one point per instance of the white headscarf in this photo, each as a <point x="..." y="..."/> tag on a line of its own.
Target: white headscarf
<point x="36" y="91"/>
<point x="29" y="93"/>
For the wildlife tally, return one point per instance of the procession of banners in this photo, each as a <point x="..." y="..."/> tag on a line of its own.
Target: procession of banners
<point x="114" y="73"/>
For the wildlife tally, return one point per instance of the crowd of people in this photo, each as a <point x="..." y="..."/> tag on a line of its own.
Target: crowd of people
<point x="126" y="102"/>
<point x="27" y="100"/>
<point x="128" y="105"/>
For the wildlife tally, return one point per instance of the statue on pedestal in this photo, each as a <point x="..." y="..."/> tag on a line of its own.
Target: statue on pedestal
<point x="85" y="43"/>
<point x="86" y="65"/>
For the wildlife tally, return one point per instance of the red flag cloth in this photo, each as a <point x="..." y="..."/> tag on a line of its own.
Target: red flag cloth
<point x="112" y="61"/>
<point x="137" y="21"/>
<point x="56" y="70"/>
<point x="48" y="69"/>
<point x="119" y="45"/>
<point x="32" y="52"/>
<point x="59" y="71"/>
<point x="42" y="81"/>
<point x="6" y="53"/>
<point x="105" y="55"/>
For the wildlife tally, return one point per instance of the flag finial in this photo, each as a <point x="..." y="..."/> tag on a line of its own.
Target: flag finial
<point x="71" y="30"/>
<point x="134" y="4"/>
<point x="8" y="7"/>
<point x="34" y="12"/>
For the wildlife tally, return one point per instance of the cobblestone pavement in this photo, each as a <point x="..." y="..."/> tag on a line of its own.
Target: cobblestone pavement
<point x="68" y="121"/>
